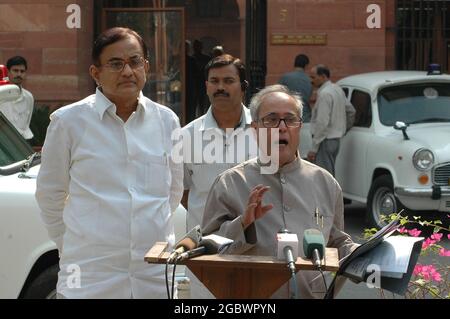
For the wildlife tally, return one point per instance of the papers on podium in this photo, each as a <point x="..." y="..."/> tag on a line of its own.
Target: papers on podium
<point x="394" y="256"/>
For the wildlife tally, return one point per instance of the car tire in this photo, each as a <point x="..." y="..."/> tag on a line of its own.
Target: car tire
<point x="381" y="201"/>
<point x="44" y="285"/>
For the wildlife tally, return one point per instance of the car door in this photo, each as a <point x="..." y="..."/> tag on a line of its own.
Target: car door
<point x="351" y="167"/>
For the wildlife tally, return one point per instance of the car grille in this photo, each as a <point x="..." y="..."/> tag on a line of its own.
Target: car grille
<point x="441" y="175"/>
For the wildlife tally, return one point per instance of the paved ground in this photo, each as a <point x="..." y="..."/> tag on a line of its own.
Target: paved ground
<point x="354" y="225"/>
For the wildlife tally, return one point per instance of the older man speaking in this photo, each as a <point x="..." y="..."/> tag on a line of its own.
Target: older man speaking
<point x="298" y="196"/>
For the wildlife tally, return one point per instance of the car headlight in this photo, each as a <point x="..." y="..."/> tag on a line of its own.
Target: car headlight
<point x="423" y="159"/>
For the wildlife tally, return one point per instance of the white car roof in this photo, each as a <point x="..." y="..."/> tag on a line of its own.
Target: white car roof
<point x="374" y="80"/>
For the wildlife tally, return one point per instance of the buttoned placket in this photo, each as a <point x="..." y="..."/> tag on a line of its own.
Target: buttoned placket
<point x="284" y="207"/>
<point x="227" y="145"/>
<point x="131" y="177"/>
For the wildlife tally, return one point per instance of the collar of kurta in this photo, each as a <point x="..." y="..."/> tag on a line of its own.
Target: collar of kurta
<point x="210" y="122"/>
<point x="287" y="168"/>
<point x="324" y="85"/>
<point x="102" y="103"/>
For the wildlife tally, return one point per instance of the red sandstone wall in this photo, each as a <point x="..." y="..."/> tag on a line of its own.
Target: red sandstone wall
<point x="58" y="57"/>
<point x="351" y="47"/>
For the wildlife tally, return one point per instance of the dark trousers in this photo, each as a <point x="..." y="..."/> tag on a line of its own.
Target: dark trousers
<point x="327" y="153"/>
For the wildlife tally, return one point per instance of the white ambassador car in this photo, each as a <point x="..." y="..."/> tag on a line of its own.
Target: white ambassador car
<point x="398" y="152"/>
<point x="28" y="259"/>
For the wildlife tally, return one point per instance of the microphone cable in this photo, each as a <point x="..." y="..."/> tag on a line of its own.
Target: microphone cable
<point x="319" y="268"/>
<point x="167" y="279"/>
<point x="323" y="277"/>
<point x="167" y="276"/>
<point x="173" y="274"/>
<point x="291" y="266"/>
<point x="294" y="283"/>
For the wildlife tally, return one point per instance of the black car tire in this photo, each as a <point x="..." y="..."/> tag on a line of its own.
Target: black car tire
<point x="44" y="285"/>
<point x="381" y="201"/>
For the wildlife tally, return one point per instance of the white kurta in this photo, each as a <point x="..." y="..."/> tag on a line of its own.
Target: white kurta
<point x="199" y="175"/>
<point x="19" y="112"/>
<point x="107" y="190"/>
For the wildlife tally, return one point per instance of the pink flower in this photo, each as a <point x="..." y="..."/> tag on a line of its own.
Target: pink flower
<point x="428" y="242"/>
<point x="427" y="272"/>
<point x="437" y="237"/>
<point x="417" y="269"/>
<point x="444" y="253"/>
<point x="436" y="276"/>
<point x="402" y="230"/>
<point x="414" y="232"/>
<point x="448" y="236"/>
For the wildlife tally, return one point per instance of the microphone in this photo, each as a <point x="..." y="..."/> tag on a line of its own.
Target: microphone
<point x="314" y="246"/>
<point x="188" y="242"/>
<point x="211" y="244"/>
<point x="287" y="248"/>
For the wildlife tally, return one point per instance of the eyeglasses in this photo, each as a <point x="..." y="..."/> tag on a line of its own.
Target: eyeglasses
<point x="118" y="65"/>
<point x="271" y="121"/>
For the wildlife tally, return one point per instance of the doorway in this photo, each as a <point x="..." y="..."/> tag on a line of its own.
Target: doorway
<point x="239" y="26"/>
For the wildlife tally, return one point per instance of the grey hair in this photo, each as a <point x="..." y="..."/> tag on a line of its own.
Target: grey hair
<point x="258" y="98"/>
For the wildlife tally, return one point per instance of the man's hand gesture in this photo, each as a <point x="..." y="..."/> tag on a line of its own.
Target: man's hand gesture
<point x="255" y="209"/>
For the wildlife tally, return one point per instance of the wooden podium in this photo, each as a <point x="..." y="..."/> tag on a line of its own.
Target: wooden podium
<point x="242" y="276"/>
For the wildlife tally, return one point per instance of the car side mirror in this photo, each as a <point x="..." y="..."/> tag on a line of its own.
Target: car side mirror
<point x="402" y="126"/>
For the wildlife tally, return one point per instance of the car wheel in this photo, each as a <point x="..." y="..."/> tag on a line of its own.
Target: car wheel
<point x="44" y="285"/>
<point x="381" y="201"/>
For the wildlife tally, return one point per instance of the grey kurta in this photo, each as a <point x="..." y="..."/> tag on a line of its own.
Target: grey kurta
<point x="295" y="191"/>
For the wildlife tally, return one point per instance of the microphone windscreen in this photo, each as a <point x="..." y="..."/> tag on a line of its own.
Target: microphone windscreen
<point x="191" y="240"/>
<point x="313" y="239"/>
<point x="215" y="244"/>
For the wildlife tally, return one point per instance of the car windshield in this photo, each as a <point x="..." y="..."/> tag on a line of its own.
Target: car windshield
<point x="415" y="103"/>
<point x="13" y="147"/>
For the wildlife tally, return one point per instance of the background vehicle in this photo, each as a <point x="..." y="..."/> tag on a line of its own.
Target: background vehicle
<point x="398" y="153"/>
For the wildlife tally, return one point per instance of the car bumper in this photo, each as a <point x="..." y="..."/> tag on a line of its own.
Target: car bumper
<point x="436" y="197"/>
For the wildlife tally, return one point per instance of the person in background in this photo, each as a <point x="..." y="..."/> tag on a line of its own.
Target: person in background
<point x="19" y="111"/>
<point x="332" y="116"/>
<point x="108" y="185"/>
<point x="298" y="81"/>
<point x="217" y="51"/>
<point x="226" y="124"/>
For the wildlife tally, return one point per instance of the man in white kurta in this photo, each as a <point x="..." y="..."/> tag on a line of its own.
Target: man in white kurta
<point x="237" y="146"/>
<point x="20" y="110"/>
<point x="108" y="185"/>
<point x="292" y="195"/>
<point x="107" y="190"/>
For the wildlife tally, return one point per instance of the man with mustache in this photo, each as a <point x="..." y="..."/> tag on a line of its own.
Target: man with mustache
<point x="19" y="111"/>
<point x="225" y="128"/>
<point x="299" y="196"/>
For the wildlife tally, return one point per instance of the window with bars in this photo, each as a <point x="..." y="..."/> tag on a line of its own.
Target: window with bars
<point x="423" y="34"/>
